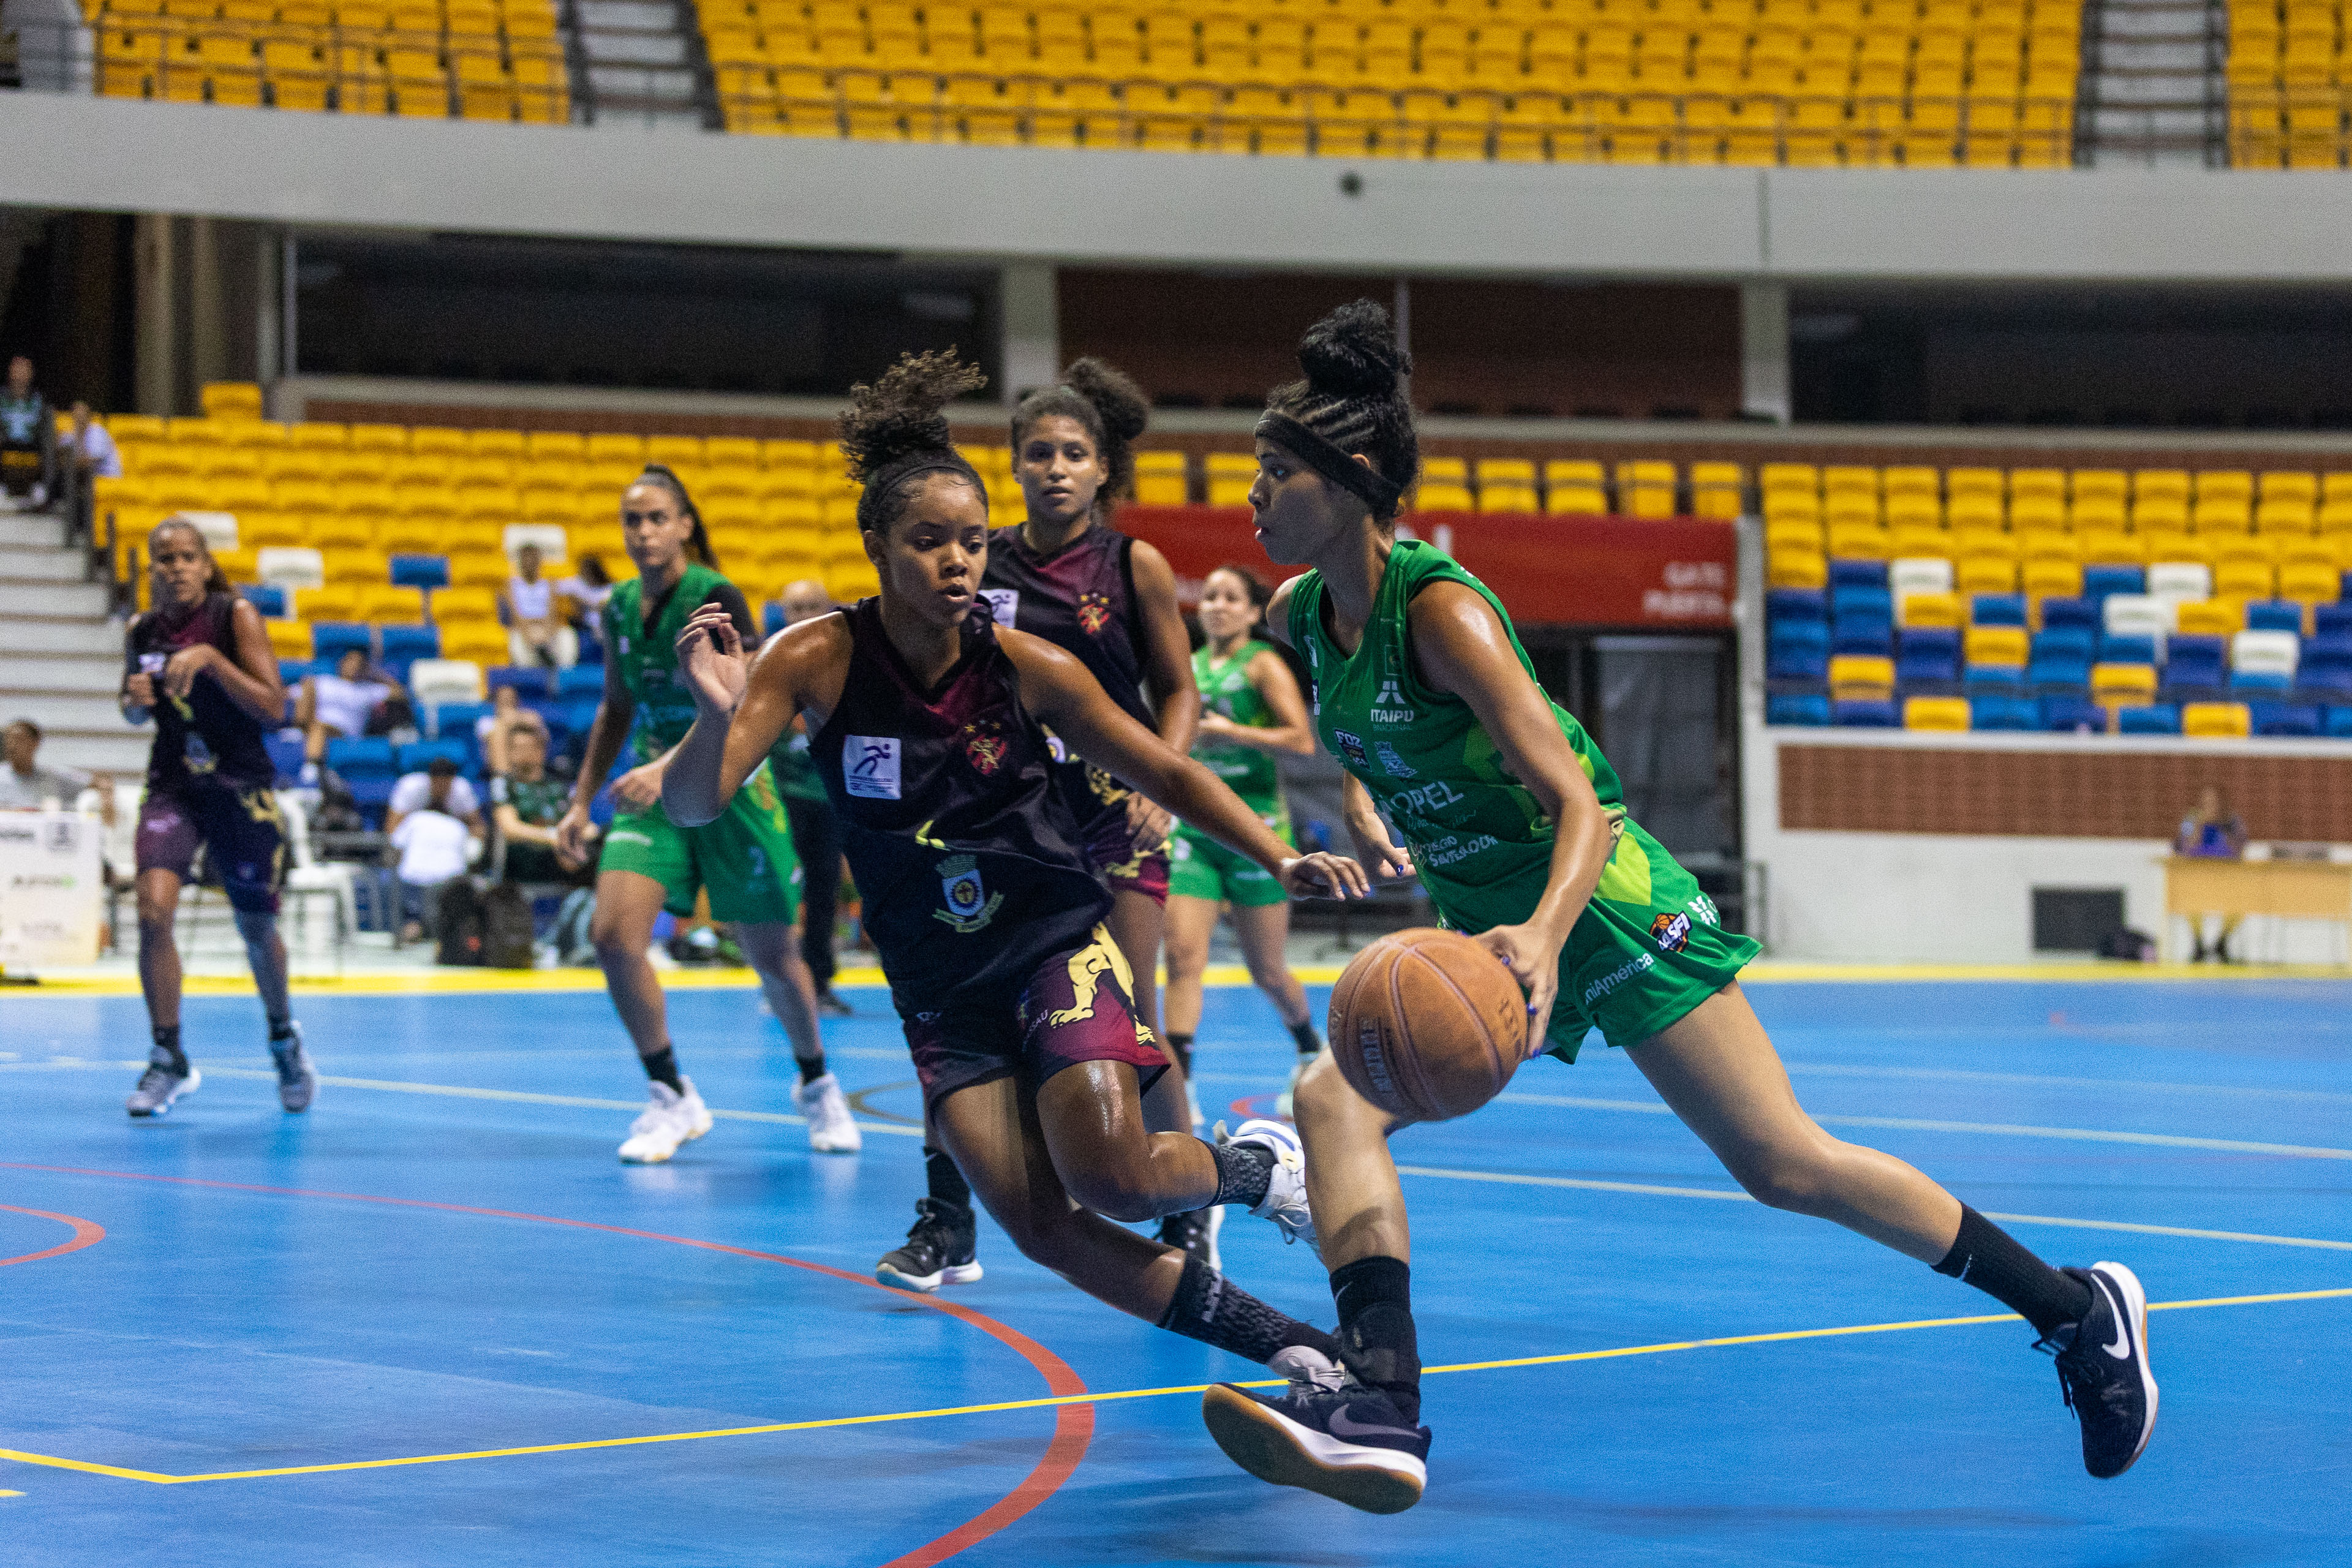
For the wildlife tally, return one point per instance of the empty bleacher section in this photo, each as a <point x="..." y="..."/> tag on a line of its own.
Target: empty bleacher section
<point x="1931" y="82"/>
<point x="2150" y="601"/>
<point x="477" y="59"/>
<point x="2286" y="84"/>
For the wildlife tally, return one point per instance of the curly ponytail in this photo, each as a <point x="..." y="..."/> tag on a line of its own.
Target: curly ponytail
<point x="1109" y="405"/>
<point x="895" y="432"/>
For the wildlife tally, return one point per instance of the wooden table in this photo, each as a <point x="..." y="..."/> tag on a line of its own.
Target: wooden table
<point x="2196" y="886"/>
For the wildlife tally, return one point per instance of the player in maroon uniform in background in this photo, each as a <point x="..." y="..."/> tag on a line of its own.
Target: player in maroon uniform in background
<point x="924" y="719"/>
<point x="200" y="663"/>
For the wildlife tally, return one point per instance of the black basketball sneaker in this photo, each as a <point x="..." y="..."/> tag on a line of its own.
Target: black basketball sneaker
<point x="1196" y="1232"/>
<point x="2103" y="1370"/>
<point x="942" y="1248"/>
<point x="1326" y="1433"/>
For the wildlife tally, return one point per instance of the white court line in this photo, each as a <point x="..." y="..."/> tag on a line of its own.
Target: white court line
<point x="1910" y="1124"/>
<point x="1959" y="1075"/>
<point x="1739" y="1197"/>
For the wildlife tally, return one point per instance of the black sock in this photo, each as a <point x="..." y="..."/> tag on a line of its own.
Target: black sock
<point x="1244" y="1171"/>
<point x="1990" y="1258"/>
<point x="1376" y="1334"/>
<point x="281" y="1029"/>
<point x="1308" y="1041"/>
<point x="1180" y="1047"/>
<point x="1212" y="1309"/>
<point x="662" y="1068"/>
<point x="812" y="1067"/>
<point x="167" y="1054"/>
<point x="947" y="1183"/>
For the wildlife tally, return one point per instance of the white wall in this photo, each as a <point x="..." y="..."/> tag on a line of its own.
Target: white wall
<point x="1543" y="220"/>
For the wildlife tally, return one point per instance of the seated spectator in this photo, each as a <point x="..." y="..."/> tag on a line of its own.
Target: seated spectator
<point x="28" y="437"/>
<point x="436" y="843"/>
<point x="2211" y="832"/>
<point x="437" y="788"/>
<point x="492" y="729"/>
<point x="584" y="593"/>
<point x="88" y="454"/>
<point x="537" y="633"/>
<point x="25" y="784"/>
<point x="353" y="702"/>
<point x="526" y="802"/>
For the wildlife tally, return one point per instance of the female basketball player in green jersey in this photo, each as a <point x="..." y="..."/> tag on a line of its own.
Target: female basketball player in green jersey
<point x="1517" y="826"/>
<point x="1250" y="710"/>
<point x="744" y="860"/>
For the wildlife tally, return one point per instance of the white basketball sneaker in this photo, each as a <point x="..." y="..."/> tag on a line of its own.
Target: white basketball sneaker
<point x="669" y="1120"/>
<point x="1285" y="1193"/>
<point x="831" y="1131"/>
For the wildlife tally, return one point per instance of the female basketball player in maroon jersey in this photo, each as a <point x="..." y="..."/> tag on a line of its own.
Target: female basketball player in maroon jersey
<point x="925" y="723"/>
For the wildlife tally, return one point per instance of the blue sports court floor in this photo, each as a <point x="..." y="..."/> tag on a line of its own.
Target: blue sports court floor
<point x="434" y="1321"/>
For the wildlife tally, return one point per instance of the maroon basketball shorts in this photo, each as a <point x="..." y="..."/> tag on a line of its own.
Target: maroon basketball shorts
<point x="1076" y="1007"/>
<point x="1112" y="849"/>
<point x="234" y="824"/>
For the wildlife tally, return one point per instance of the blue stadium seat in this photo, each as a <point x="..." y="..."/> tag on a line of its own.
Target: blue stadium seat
<point x="330" y="640"/>
<point x="420" y="570"/>
<point x="359" y="757"/>
<point x="267" y="597"/>
<point x="416" y="756"/>
<point x="2339" y="723"/>
<point x="581" y="678"/>
<point x="2061" y="656"/>
<point x="285" y="756"/>
<point x="2067" y="713"/>
<point x="2274" y="616"/>
<point x="2098" y="582"/>
<point x="405" y="645"/>
<point x="1807" y="707"/>
<point x="1858" y="575"/>
<point x="2259" y="681"/>
<point x="577" y="714"/>
<point x="2325" y="668"/>
<point x="2062" y="613"/>
<point x="772" y="616"/>
<point x="290" y="672"/>
<point x="2155" y="719"/>
<point x="1996" y="679"/>
<point x="1997" y="711"/>
<point x="526" y="682"/>
<point x="2331" y="620"/>
<point x="1861" y="620"/>
<point x="2286" y="719"/>
<point x="371" y="795"/>
<point x="453" y="718"/>
<point x="1865" y="713"/>
<point x="1997" y="610"/>
<point x="2200" y="663"/>
<point x="1927" y="654"/>
<point x="2127" y="649"/>
<point x="1788" y="604"/>
<point x="1798" y="652"/>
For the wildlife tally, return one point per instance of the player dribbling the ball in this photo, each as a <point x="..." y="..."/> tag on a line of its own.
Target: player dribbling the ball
<point x="1517" y="828"/>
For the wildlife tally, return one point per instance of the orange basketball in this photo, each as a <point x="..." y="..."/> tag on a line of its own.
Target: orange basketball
<point x="1427" y="1024"/>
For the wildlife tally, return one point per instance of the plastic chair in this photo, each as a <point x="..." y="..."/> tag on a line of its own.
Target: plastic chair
<point x="2002" y="711"/>
<point x="2288" y="719"/>
<point x="1996" y="610"/>
<point x="415" y="756"/>
<point x="1809" y="708"/>
<point x="404" y="647"/>
<point x="1927" y="654"/>
<point x="1950" y="714"/>
<point x="2195" y="662"/>
<point x="2067" y="713"/>
<point x="268" y="598"/>
<point x="2069" y="611"/>
<point x="1864" y="713"/>
<point x="420" y="570"/>
<point x="310" y="879"/>
<point x="361" y="757"/>
<point x="2150" y="718"/>
<point x="330" y="640"/>
<point x="2216" y="721"/>
<point x="2274" y="616"/>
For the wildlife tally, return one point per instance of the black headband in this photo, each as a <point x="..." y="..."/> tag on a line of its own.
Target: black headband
<point x="1377" y="489"/>
<point x="890" y="476"/>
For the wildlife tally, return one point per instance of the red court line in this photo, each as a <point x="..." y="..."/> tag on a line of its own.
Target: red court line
<point x="86" y="1234"/>
<point x="1074" y="1424"/>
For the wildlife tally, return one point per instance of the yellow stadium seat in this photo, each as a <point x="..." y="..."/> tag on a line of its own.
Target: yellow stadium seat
<point x="1856" y="675"/>
<point x="2039" y="542"/>
<point x="429" y="440"/>
<point x="2264" y="548"/>
<point x="2168" y="545"/>
<point x="2110" y="547"/>
<point x="2099" y="485"/>
<point x="1985" y="574"/>
<point x="2209" y="617"/>
<point x="387" y="604"/>
<point x="288" y="638"/>
<point x="478" y="569"/>
<point x="1576" y="500"/>
<point x="2335" y="516"/>
<point x="2310" y="582"/>
<point x="341" y="530"/>
<point x="1860" y="541"/>
<point x="2245" y="579"/>
<point x="2222" y="514"/>
<point x="2216" y="721"/>
<point x="2225" y="484"/>
<point x="2117" y="684"/>
<point x="1925" y="539"/>
<point x="1943" y="713"/>
<point x="1790" y="568"/>
<point x="1930" y="609"/>
<point x="416" y="533"/>
<point x="1914" y="481"/>
<point x="2036" y="509"/>
<point x="2160" y="484"/>
<point x="2286" y="514"/>
<point x="1996" y="646"/>
<point x="1987" y="484"/>
<point x="2036" y="485"/>
<point x="2049" y="578"/>
<point x="1975" y="509"/>
<point x="1715" y="490"/>
<point x="1789" y="476"/>
<point x="380" y="437"/>
<point x="335" y="602"/>
<point x="2097" y="511"/>
<point x="2290" y="485"/>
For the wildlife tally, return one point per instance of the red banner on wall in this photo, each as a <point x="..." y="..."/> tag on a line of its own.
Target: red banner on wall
<point x="1555" y="571"/>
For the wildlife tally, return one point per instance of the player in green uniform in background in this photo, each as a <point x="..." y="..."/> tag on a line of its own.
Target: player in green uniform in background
<point x="1516" y="828"/>
<point x="1250" y="710"/>
<point x="744" y="860"/>
<point x="816" y="833"/>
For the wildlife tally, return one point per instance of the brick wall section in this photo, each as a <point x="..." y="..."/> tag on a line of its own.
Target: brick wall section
<point x="2072" y="794"/>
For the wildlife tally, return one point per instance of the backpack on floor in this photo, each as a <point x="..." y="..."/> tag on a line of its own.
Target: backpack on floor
<point x="461" y="924"/>
<point x="507" y="930"/>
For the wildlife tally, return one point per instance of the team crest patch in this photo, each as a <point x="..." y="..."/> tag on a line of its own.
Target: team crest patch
<point x="1352" y="749"/>
<point x="969" y="904"/>
<point x="1094" y="613"/>
<point x="985" y="746"/>
<point x="1672" y="931"/>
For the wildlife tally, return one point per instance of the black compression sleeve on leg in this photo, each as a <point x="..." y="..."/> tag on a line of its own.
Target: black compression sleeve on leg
<point x="946" y="1182"/>
<point x="167" y="1054"/>
<point x="1245" y="1172"/>
<point x="812" y="1067"/>
<point x="1306" y="1039"/>
<point x="1377" y="1341"/>
<point x="1180" y="1047"/>
<point x="1990" y="1258"/>
<point x="1212" y="1309"/>
<point x="662" y="1068"/>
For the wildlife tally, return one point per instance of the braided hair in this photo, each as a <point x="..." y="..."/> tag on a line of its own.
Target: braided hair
<point x="1109" y="406"/>
<point x="1353" y="394"/>
<point x="698" y="545"/>
<point x="895" y="434"/>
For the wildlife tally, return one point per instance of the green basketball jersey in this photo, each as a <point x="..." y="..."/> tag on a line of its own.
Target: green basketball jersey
<point x="795" y="774"/>
<point x="1248" y="770"/>
<point x="646" y="657"/>
<point x="1482" y="842"/>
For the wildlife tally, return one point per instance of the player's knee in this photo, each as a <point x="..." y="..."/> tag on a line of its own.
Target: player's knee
<point x="1323" y="1098"/>
<point x="1048" y="1237"/>
<point x="1797" y="1178"/>
<point x="1114" y="1189"/>
<point x="256" y="926"/>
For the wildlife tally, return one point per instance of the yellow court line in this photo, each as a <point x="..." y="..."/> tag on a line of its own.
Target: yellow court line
<point x="1107" y="1396"/>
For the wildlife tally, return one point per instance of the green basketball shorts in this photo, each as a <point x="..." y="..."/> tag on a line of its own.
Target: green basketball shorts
<point x="1201" y="868"/>
<point x="744" y="859"/>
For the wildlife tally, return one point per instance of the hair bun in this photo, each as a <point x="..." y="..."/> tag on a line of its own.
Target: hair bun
<point x="1353" y="352"/>
<point x="1117" y="401"/>
<point x="905" y="412"/>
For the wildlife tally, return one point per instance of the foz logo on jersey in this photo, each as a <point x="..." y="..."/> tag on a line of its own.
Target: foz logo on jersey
<point x="1393" y="765"/>
<point x="869" y="766"/>
<point x="985" y="746"/>
<point x="1389" y="707"/>
<point x="1352" y="748"/>
<point x="1672" y="932"/>
<point x="1094" y="613"/>
<point x="969" y="904"/>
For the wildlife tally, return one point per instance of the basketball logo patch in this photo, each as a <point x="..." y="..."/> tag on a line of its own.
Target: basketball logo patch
<point x="1672" y="932"/>
<point x="969" y="904"/>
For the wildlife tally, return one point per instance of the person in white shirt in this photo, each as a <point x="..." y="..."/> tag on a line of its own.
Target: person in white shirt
<point x="537" y="633"/>
<point x="437" y="788"/>
<point x="341" y="704"/>
<point x="439" y="832"/>
<point x="25" y="785"/>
